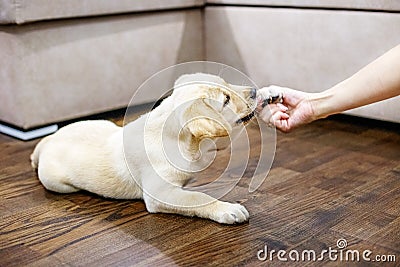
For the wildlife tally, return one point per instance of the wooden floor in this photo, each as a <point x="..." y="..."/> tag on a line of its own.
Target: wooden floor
<point x="333" y="179"/>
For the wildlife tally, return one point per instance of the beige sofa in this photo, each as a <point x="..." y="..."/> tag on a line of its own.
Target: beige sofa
<point x="67" y="59"/>
<point x="305" y="44"/>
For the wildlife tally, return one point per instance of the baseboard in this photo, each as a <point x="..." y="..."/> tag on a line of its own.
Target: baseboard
<point x="29" y="134"/>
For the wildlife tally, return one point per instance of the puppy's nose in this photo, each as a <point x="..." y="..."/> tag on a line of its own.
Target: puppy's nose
<point x="253" y="93"/>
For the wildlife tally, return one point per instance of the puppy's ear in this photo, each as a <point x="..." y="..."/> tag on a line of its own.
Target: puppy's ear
<point x="203" y="127"/>
<point x="203" y="119"/>
<point x="216" y="104"/>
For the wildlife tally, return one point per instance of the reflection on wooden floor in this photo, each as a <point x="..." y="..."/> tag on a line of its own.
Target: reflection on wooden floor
<point x="333" y="179"/>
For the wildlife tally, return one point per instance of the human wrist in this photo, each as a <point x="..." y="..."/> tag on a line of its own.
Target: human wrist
<point x="321" y="104"/>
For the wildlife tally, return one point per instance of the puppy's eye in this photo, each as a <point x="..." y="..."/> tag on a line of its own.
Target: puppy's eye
<point x="227" y="99"/>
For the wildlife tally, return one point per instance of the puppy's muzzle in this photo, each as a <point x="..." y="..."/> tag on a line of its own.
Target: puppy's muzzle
<point x="253" y="93"/>
<point x="245" y="119"/>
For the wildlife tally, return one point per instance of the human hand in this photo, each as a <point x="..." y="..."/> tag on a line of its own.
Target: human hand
<point x="295" y="110"/>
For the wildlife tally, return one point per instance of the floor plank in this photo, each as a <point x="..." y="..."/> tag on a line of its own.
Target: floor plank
<point x="335" y="178"/>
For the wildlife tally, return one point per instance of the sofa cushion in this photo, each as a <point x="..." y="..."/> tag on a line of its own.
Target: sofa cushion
<point x="310" y="50"/>
<point x="23" y="11"/>
<point x="64" y="69"/>
<point x="384" y="5"/>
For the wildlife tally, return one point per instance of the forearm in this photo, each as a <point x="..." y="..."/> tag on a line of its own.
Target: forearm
<point x="377" y="81"/>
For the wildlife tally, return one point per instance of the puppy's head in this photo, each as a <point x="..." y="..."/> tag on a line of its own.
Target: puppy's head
<point x="209" y="107"/>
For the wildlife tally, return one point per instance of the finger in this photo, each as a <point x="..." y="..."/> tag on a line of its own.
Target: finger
<point x="267" y="112"/>
<point x="283" y="125"/>
<point x="280" y="120"/>
<point x="277" y="118"/>
<point x="273" y="108"/>
<point x="282" y="107"/>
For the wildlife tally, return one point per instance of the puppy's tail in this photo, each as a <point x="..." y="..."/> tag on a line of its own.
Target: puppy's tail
<point x="36" y="152"/>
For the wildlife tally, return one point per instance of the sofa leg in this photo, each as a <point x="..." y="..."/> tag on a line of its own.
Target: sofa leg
<point x="26" y="135"/>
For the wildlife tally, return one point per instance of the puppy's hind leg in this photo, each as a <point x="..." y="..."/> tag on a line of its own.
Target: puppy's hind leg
<point x="54" y="180"/>
<point x="35" y="154"/>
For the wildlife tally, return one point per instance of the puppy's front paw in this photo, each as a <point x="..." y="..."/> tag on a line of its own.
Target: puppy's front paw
<point x="230" y="213"/>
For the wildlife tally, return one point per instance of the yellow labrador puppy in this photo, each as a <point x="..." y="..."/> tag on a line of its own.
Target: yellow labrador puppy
<point x="152" y="157"/>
